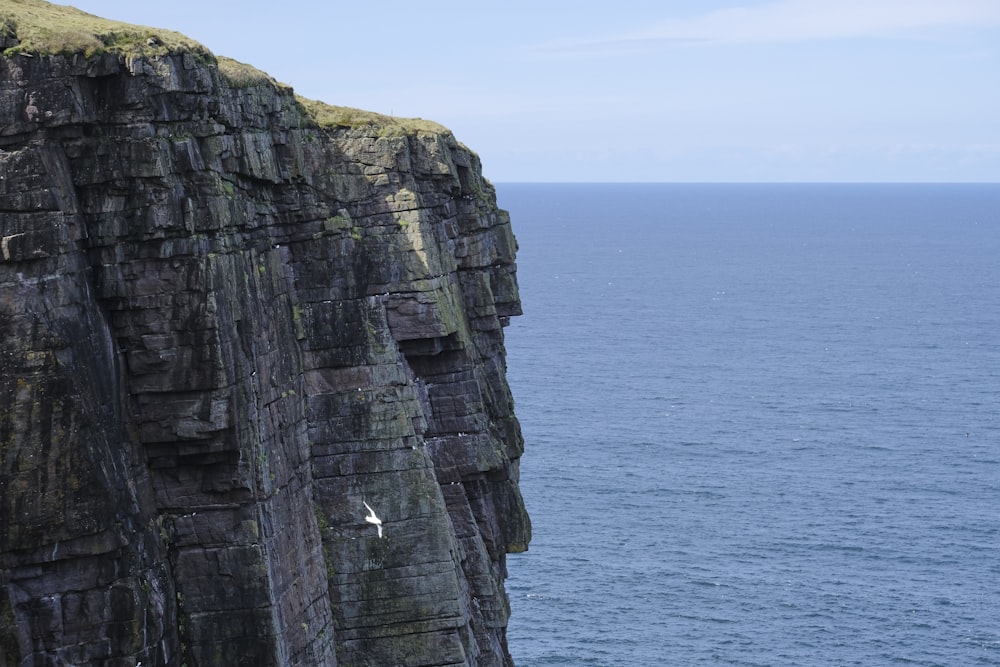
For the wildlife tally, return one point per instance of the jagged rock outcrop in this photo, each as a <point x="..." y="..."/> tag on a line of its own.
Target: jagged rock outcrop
<point x="229" y="317"/>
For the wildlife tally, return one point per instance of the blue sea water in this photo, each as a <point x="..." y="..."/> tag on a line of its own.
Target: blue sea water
<point x="761" y="422"/>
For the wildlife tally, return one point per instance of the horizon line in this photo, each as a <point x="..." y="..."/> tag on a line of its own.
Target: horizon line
<point x="545" y="182"/>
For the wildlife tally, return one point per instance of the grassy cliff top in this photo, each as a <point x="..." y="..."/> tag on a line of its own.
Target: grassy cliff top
<point x="329" y="116"/>
<point x="37" y="27"/>
<point x="42" y="28"/>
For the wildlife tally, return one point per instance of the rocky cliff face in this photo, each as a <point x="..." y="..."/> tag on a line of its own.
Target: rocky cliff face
<point x="229" y="318"/>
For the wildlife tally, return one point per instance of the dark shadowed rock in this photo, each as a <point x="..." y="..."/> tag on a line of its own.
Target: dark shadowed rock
<point x="229" y="318"/>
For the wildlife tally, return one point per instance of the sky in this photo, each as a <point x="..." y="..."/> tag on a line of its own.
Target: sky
<point x="644" y="90"/>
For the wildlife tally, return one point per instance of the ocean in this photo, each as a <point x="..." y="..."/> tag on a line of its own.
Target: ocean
<point x="761" y="424"/>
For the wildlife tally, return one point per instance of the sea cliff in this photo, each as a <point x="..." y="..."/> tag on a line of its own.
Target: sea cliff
<point x="230" y="317"/>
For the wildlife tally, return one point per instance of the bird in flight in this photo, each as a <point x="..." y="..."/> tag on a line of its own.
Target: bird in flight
<point x="371" y="518"/>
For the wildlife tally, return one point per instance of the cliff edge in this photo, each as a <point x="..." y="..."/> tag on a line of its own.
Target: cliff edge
<point x="231" y="318"/>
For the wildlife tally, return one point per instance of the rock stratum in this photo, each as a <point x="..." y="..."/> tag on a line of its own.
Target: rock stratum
<point x="230" y="317"/>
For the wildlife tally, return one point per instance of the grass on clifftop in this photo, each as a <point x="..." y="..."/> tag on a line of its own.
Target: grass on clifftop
<point x="329" y="117"/>
<point x="241" y="75"/>
<point x="42" y="28"/>
<point x="37" y="27"/>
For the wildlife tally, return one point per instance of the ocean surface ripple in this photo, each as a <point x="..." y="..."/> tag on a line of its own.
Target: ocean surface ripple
<point x="761" y="424"/>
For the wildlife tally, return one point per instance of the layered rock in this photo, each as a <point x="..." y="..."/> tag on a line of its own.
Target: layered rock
<point x="229" y="318"/>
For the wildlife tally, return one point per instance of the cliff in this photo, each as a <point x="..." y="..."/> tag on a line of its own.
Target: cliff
<point x="230" y="317"/>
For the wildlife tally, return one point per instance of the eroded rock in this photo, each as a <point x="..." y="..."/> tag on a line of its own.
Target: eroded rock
<point x="224" y="328"/>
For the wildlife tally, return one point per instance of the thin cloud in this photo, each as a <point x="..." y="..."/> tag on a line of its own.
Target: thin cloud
<point x="796" y="21"/>
<point x="803" y="20"/>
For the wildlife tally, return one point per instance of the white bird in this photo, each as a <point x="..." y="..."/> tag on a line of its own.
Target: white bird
<point x="371" y="518"/>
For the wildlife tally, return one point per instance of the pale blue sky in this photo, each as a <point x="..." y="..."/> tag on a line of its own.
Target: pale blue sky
<point x="637" y="90"/>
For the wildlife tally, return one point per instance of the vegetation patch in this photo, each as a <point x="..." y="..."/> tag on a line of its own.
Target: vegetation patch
<point x="331" y="117"/>
<point x="241" y="75"/>
<point x="41" y="28"/>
